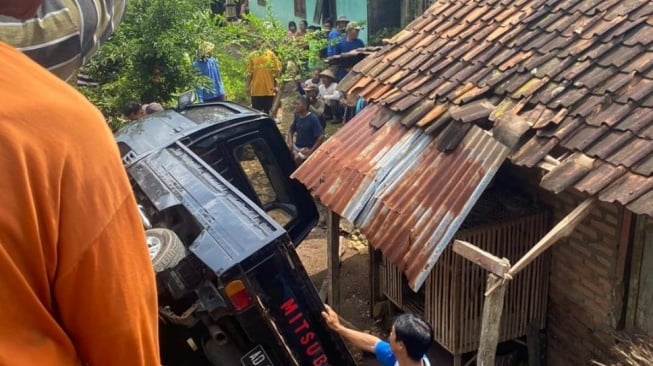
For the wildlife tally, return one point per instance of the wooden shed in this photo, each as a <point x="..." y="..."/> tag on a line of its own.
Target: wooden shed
<point x="562" y="90"/>
<point x="452" y="296"/>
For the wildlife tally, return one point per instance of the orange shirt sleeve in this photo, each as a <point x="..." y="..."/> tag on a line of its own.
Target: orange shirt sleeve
<point x="76" y="282"/>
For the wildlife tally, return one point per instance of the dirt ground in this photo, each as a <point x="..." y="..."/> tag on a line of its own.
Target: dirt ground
<point x="354" y="270"/>
<point x="354" y="289"/>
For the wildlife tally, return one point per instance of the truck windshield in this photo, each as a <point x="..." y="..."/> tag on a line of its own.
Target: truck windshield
<point x="208" y="113"/>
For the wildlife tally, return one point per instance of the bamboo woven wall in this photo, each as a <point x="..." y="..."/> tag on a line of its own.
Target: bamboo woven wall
<point x="453" y="293"/>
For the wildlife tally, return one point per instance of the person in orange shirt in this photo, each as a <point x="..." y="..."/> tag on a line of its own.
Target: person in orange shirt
<point x="263" y="69"/>
<point x="76" y="281"/>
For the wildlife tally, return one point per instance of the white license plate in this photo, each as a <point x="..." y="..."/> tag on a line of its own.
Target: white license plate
<point x="256" y="357"/>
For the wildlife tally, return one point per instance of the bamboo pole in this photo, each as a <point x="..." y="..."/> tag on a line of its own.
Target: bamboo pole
<point x="490" y="327"/>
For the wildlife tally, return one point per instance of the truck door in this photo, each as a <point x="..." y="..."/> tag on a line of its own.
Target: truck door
<point x="253" y="157"/>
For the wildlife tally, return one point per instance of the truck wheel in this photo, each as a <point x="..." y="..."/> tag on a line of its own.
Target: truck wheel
<point x="226" y="354"/>
<point x="166" y="249"/>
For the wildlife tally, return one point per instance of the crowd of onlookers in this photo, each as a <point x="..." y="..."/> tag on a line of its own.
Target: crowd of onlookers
<point x="320" y="102"/>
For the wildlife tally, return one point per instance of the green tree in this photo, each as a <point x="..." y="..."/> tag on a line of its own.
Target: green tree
<point x="150" y="56"/>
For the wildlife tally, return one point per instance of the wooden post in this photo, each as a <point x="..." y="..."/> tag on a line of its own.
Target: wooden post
<point x="492" y="310"/>
<point x="375" y="283"/>
<point x="496" y="265"/>
<point x="501" y="271"/>
<point x="333" y="258"/>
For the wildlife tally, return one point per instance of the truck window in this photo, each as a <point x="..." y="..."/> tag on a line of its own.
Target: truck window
<point x="266" y="179"/>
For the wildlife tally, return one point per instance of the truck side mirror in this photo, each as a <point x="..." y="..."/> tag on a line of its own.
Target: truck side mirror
<point x="186" y="99"/>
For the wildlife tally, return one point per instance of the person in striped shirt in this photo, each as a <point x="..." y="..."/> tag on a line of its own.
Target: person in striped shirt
<point x="77" y="286"/>
<point x="63" y="34"/>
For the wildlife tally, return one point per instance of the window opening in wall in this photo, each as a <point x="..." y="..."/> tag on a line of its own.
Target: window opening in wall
<point x="639" y="311"/>
<point x="300" y="8"/>
<point x="262" y="173"/>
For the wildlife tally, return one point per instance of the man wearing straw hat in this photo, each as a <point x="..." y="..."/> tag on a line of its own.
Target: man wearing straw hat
<point x="207" y="65"/>
<point x="328" y="92"/>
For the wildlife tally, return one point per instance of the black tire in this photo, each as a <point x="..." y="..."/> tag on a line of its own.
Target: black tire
<point x="226" y="354"/>
<point x="170" y="248"/>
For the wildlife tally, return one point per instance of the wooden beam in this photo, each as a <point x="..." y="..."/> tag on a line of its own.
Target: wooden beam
<point x="491" y="323"/>
<point x="548" y="163"/>
<point x="333" y="259"/>
<point x="627" y="227"/>
<point x="491" y="263"/>
<point x="565" y="227"/>
<point x="375" y="277"/>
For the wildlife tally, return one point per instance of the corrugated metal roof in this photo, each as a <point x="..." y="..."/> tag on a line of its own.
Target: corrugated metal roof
<point x="589" y="66"/>
<point x="578" y="74"/>
<point x="408" y="197"/>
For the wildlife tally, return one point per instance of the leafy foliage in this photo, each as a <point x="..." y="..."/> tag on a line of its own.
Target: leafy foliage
<point x="150" y="57"/>
<point x="376" y="39"/>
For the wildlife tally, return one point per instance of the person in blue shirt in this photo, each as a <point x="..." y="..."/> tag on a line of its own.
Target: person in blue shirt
<point x="409" y="339"/>
<point x="349" y="43"/>
<point x="336" y="35"/>
<point x="305" y="134"/>
<point x="208" y="66"/>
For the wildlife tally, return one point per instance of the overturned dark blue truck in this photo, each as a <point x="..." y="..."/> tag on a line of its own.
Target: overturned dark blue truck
<point x="222" y="219"/>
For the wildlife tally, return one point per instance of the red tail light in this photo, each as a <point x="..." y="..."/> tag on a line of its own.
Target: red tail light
<point x="238" y="295"/>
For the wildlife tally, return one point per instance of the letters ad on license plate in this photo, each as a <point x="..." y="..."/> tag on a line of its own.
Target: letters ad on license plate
<point x="256" y="357"/>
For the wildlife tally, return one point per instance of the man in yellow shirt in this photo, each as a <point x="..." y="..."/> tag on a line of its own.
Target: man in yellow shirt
<point x="263" y="69"/>
<point x="76" y="281"/>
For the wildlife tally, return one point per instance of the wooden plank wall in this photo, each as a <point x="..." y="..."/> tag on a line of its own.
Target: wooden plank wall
<point x="453" y="291"/>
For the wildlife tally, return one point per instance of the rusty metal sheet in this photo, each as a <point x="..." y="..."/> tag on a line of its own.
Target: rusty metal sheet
<point x="582" y="70"/>
<point x="408" y="197"/>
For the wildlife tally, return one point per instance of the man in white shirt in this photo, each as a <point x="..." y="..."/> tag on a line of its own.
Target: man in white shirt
<point x="328" y="92"/>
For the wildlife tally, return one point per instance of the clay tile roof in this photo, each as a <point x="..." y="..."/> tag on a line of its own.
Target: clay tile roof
<point x="593" y="58"/>
<point x="579" y="73"/>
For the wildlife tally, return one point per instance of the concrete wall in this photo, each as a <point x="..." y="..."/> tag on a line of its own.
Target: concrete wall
<point x="284" y="11"/>
<point x="586" y="297"/>
<point x="383" y="14"/>
<point x="583" y="304"/>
